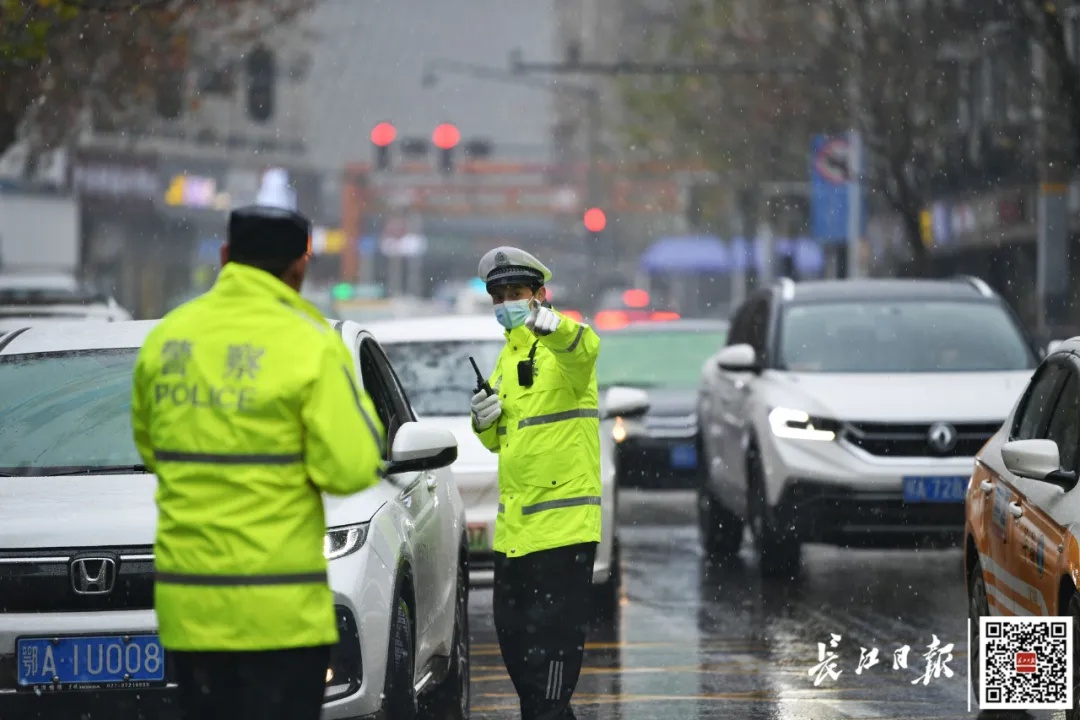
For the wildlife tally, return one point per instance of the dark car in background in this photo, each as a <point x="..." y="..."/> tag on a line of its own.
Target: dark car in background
<point x="659" y="450"/>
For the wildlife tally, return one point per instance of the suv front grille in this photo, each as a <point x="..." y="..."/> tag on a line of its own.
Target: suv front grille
<point x="913" y="439"/>
<point x="41" y="580"/>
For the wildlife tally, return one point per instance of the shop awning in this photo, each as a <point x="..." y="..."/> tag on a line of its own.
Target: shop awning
<point x="702" y="253"/>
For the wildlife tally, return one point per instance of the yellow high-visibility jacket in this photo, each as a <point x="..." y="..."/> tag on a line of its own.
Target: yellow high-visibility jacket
<point x="246" y="406"/>
<point x="548" y="441"/>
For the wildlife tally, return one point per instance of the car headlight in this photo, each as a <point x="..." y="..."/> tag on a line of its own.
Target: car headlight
<point x="798" y="425"/>
<point x="342" y="541"/>
<point x="624" y="428"/>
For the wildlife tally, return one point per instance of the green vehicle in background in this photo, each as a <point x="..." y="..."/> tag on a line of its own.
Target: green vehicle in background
<point x="659" y="450"/>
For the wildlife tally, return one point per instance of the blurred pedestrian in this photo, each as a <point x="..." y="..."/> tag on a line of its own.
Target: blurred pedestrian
<point x="542" y="419"/>
<point x="246" y="406"/>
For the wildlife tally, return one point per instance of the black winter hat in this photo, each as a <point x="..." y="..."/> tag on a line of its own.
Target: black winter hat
<point x="259" y="231"/>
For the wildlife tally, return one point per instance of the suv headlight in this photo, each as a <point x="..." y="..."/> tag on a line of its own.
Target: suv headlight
<point x="342" y="541"/>
<point x="798" y="425"/>
<point x="624" y="428"/>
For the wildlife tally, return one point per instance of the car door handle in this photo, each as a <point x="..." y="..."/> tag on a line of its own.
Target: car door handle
<point x="987" y="486"/>
<point x="1015" y="510"/>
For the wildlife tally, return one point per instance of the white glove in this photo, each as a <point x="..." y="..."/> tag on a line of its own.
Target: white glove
<point x="486" y="409"/>
<point x="542" y="320"/>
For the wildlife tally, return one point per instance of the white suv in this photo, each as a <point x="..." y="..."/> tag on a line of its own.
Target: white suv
<point x="850" y="412"/>
<point x="77" y="522"/>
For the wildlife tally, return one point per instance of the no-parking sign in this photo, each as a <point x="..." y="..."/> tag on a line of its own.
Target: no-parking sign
<point x="832" y="161"/>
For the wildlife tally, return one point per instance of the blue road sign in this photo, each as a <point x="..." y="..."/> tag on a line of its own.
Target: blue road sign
<point x="829" y="187"/>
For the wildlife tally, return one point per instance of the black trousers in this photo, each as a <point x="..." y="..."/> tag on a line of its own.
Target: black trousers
<point x="266" y="685"/>
<point x="541" y="617"/>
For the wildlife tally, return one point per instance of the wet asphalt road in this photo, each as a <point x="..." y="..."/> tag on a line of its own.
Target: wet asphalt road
<point x="697" y="642"/>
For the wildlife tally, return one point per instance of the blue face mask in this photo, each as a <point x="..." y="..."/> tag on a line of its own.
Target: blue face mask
<point x="512" y="314"/>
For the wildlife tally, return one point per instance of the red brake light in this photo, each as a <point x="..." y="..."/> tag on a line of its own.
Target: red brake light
<point x="573" y="315"/>
<point x="636" y="298"/>
<point x="664" y="316"/>
<point x="610" y="320"/>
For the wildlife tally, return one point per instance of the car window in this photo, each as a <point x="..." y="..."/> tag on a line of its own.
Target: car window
<point x="52" y="296"/>
<point x="900" y="336"/>
<point x="1064" y="428"/>
<point x="739" y="325"/>
<point x="661" y="359"/>
<point x="1034" y="410"/>
<point x="375" y="385"/>
<point x="758" y="326"/>
<point x="385" y="390"/>
<point x="398" y="397"/>
<point x="70" y="409"/>
<point x="436" y="374"/>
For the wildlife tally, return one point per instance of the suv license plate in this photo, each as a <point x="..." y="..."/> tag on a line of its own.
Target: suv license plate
<point x="935" y="489"/>
<point x="684" y="457"/>
<point x="97" y="661"/>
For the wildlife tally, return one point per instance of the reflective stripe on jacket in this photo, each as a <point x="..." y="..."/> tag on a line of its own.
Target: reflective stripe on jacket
<point x="548" y="441"/>
<point x="246" y="406"/>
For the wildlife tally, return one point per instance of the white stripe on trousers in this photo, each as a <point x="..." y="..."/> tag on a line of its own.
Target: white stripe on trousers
<point x="554" y="679"/>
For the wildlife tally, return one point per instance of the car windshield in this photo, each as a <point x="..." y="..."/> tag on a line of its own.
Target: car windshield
<point x="37" y="296"/>
<point x="65" y="410"/>
<point x="662" y="359"/>
<point x="437" y="375"/>
<point x="901" y="336"/>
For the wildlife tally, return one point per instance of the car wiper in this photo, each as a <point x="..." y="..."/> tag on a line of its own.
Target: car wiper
<point x="98" y="470"/>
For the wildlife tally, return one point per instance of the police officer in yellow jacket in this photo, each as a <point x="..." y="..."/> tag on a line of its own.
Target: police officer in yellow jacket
<point x="246" y="406"/>
<point x="543" y="421"/>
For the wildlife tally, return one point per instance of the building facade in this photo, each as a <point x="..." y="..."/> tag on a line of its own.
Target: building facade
<point x="155" y="200"/>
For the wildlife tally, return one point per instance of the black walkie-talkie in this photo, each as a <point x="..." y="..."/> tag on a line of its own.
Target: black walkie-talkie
<point x="481" y="383"/>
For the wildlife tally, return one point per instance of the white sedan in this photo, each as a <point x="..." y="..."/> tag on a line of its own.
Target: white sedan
<point x="78" y="508"/>
<point x="46" y="298"/>
<point x="431" y="356"/>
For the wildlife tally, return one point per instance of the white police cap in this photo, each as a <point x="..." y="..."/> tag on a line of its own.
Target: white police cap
<point x="511" y="266"/>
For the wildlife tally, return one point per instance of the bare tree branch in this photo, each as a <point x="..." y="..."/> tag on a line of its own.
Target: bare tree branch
<point x="59" y="58"/>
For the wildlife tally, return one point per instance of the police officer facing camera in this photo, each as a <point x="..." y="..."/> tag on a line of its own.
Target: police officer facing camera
<point x="246" y="406"/>
<point x="542" y="419"/>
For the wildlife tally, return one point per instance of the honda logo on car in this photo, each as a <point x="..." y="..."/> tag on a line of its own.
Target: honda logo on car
<point x="93" y="575"/>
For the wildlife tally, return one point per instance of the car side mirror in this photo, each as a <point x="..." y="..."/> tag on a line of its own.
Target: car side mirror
<point x="418" y="447"/>
<point x="625" y="402"/>
<point x="1037" y="460"/>
<point x="738" y="358"/>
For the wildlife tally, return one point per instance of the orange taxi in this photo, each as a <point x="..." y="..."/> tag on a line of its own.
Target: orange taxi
<point x="1021" y="556"/>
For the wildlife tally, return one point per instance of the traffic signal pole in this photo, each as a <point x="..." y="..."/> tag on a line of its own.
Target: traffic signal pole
<point x="520" y="67"/>
<point x="589" y="94"/>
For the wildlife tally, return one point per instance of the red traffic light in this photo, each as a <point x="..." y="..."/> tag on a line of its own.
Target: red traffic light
<point x="383" y="134"/>
<point x="446" y="136"/>
<point x="595" y="220"/>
